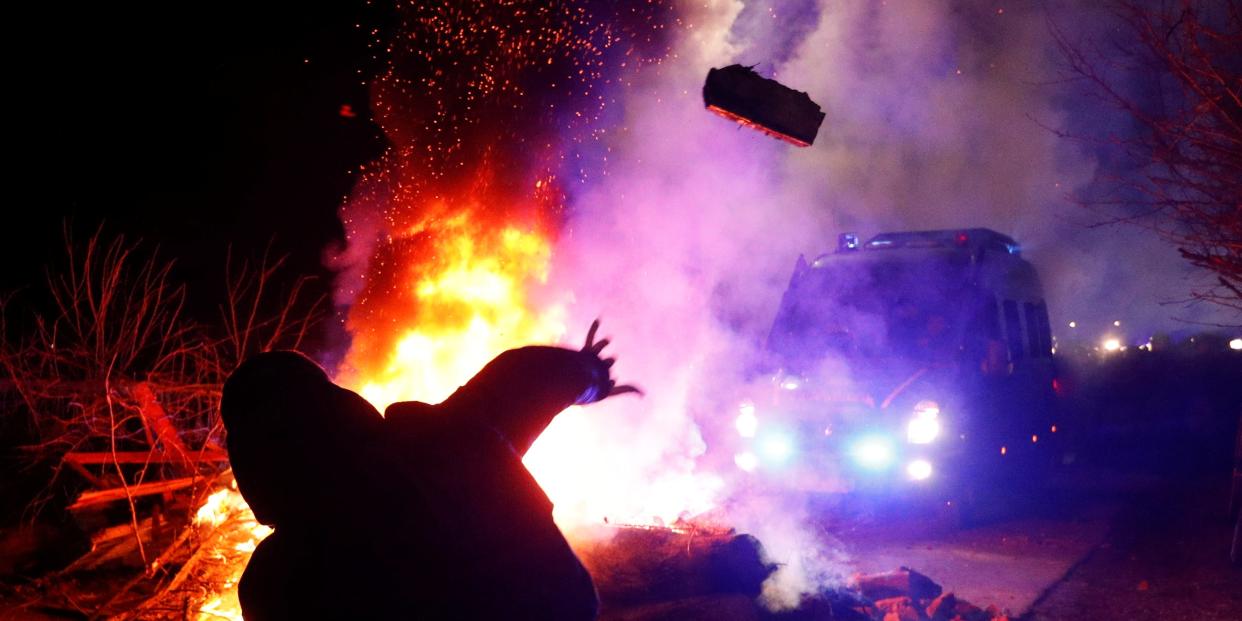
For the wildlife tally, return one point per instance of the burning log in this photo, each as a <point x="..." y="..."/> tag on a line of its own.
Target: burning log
<point x="646" y="565"/>
<point x="739" y="94"/>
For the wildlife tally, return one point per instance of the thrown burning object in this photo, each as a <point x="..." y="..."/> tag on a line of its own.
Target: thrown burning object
<point x="739" y="94"/>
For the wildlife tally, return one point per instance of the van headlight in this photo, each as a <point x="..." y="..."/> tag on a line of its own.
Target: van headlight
<point x="874" y="452"/>
<point x="925" y="425"/>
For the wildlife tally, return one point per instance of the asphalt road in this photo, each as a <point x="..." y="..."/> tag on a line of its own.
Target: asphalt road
<point x="1165" y="558"/>
<point x="1101" y="542"/>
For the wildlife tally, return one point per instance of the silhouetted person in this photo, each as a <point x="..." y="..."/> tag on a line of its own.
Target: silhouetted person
<point x="425" y="514"/>
<point x="294" y="441"/>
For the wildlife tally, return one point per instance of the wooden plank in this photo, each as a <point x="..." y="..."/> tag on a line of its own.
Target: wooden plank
<point x="156" y="423"/>
<point x="142" y="489"/>
<point x="142" y="457"/>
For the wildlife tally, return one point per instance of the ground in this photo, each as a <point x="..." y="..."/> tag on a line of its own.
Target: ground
<point x="1165" y="558"/>
<point x="1101" y="542"/>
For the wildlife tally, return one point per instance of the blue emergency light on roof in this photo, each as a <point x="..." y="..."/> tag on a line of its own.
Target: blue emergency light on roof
<point x="975" y="240"/>
<point x="847" y="242"/>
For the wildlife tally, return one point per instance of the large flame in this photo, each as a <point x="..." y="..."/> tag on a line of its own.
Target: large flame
<point x="466" y="300"/>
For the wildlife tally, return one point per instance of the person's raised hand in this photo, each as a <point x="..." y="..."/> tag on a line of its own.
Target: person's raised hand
<point x="595" y="348"/>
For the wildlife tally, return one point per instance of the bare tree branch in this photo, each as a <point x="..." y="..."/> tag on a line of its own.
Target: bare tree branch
<point x="1188" y="185"/>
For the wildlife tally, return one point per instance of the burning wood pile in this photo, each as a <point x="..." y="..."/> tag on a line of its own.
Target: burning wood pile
<point x="166" y="569"/>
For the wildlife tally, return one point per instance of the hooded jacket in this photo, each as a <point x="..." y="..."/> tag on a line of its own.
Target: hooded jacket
<point x="427" y="513"/>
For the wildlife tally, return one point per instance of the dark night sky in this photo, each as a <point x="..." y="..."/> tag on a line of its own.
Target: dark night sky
<point x="193" y="128"/>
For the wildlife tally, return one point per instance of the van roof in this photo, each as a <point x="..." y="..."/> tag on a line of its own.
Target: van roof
<point x="946" y="238"/>
<point x="975" y="241"/>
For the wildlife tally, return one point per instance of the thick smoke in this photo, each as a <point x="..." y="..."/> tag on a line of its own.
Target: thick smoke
<point x="942" y="115"/>
<point x="684" y="248"/>
<point x="938" y="116"/>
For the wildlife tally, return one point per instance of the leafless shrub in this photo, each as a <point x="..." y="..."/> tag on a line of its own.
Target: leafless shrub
<point x="115" y="367"/>
<point x="115" y="324"/>
<point x="122" y="388"/>
<point x="1188" y="187"/>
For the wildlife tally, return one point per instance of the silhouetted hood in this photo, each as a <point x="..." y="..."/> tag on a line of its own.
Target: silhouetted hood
<point x="294" y="437"/>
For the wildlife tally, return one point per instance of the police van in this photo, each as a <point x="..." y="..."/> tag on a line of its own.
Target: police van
<point x="912" y="361"/>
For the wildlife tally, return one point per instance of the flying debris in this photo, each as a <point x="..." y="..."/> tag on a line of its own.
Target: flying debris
<point x="739" y="94"/>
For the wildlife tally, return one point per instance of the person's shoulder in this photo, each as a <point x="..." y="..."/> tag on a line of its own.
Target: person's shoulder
<point x="403" y="411"/>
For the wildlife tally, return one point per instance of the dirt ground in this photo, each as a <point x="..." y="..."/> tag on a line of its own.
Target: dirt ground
<point x="1165" y="558"/>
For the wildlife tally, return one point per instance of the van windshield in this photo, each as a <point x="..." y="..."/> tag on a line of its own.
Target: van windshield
<point x="912" y="309"/>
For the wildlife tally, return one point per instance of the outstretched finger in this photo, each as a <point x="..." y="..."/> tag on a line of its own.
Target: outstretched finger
<point x="625" y="388"/>
<point x="598" y="347"/>
<point x="590" y="338"/>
